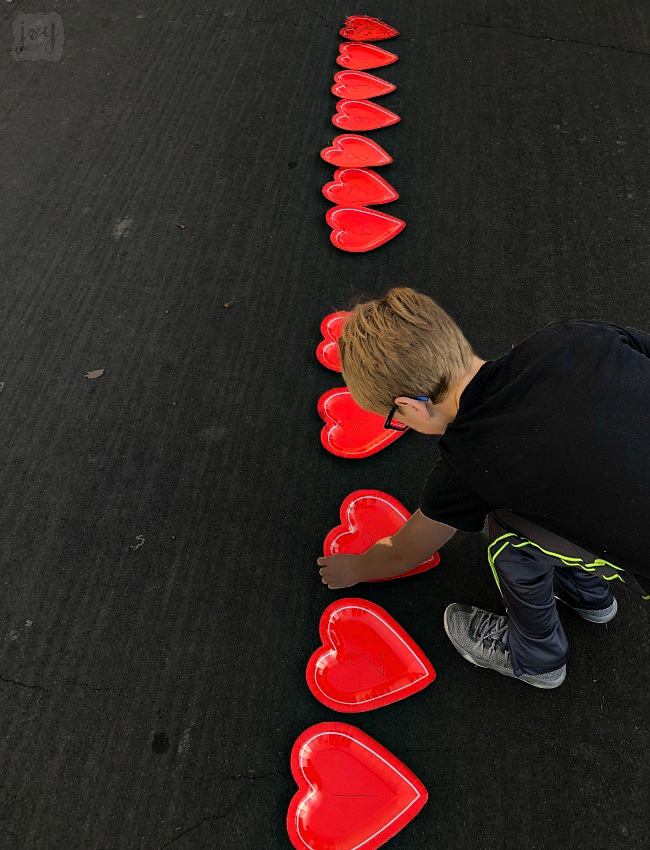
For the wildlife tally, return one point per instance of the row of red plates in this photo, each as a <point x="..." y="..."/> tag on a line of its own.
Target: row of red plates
<point x="352" y="792"/>
<point x="354" y="227"/>
<point x="349" y="430"/>
<point x="366" y="659"/>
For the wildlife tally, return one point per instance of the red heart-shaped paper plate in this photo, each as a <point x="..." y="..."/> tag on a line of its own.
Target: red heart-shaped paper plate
<point x="365" y="28"/>
<point x="353" y="793"/>
<point x="357" y="85"/>
<point x="362" y="115"/>
<point x="350" y="431"/>
<point x="355" y="151"/>
<point x="359" y="229"/>
<point x="328" y="350"/>
<point x="359" y="187"/>
<point x="360" y="57"/>
<point x="366" y="660"/>
<point x="368" y="516"/>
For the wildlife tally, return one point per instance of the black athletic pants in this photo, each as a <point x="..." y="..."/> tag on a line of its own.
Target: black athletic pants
<point x="526" y="561"/>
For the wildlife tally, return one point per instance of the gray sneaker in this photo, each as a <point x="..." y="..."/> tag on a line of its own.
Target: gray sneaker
<point x="602" y="615"/>
<point x="482" y="639"/>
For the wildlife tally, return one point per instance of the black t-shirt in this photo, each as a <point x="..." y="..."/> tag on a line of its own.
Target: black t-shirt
<point x="558" y="431"/>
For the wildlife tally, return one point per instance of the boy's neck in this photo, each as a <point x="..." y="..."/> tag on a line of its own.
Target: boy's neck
<point x="452" y="401"/>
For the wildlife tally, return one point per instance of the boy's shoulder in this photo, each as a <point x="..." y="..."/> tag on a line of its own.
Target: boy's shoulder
<point x="569" y="328"/>
<point x="587" y="332"/>
<point x="570" y="333"/>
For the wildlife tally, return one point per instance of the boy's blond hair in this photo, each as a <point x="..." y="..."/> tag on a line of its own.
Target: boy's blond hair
<point x="401" y="344"/>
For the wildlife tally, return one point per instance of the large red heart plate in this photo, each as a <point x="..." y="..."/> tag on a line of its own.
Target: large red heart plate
<point x="350" y="431"/>
<point x="353" y="793"/>
<point x="359" y="57"/>
<point x="359" y="187"/>
<point x="328" y="350"/>
<point x="359" y="229"/>
<point x="368" y="516"/>
<point x="366" y="660"/>
<point x="362" y="115"/>
<point x="365" y="28"/>
<point x="358" y="85"/>
<point x="350" y="151"/>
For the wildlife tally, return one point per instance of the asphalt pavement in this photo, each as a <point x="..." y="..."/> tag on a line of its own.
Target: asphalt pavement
<point x="165" y="264"/>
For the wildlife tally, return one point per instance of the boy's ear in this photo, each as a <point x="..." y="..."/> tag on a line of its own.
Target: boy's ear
<point x="418" y="407"/>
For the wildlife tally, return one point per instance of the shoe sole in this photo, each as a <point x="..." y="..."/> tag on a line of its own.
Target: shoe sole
<point x="504" y="672"/>
<point x="594" y="618"/>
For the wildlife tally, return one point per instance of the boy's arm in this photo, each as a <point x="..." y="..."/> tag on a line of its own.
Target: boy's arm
<point x="416" y="541"/>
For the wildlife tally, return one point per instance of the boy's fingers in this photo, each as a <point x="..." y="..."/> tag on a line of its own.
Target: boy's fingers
<point x="321" y="562"/>
<point x="332" y="586"/>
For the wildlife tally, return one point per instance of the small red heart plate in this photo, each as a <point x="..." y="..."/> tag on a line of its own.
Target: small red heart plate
<point x="358" y="85"/>
<point x="365" y="28"/>
<point x="328" y="350"/>
<point x="353" y="793"/>
<point x="349" y="430"/>
<point x="366" y="660"/>
<point x="359" y="229"/>
<point x="368" y="516"/>
<point x="355" y="151"/>
<point x="362" y="115"/>
<point x="359" y="187"/>
<point x="361" y="57"/>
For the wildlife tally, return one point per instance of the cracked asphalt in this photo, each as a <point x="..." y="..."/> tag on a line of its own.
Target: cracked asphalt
<point x="164" y="267"/>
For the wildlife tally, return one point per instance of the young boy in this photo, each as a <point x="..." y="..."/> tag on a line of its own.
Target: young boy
<point x="551" y="442"/>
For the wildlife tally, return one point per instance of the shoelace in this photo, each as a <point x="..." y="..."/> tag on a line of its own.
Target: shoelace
<point x="491" y="628"/>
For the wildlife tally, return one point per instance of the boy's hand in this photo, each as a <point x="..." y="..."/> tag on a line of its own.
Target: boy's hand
<point x="338" y="570"/>
<point x="387" y="558"/>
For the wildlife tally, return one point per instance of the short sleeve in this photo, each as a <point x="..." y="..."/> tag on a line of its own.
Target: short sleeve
<point x="447" y="498"/>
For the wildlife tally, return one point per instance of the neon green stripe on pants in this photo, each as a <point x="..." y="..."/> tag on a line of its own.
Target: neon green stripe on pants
<point x="565" y="559"/>
<point x="493" y="555"/>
